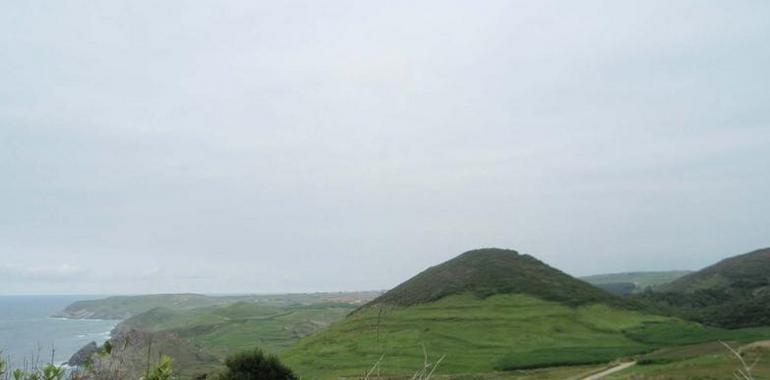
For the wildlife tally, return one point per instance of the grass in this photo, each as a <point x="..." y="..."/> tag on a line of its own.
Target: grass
<point x="732" y="293"/>
<point x="476" y="335"/>
<point x="486" y="335"/>
<point x="123" y="307"/>
<point x="677" y="353"/>
<point x="743" y="272"/>
<point x="491" y="271"/>
<point x="554" y="373"/>
<point x="566" y="356"/>
<point x="641" y="280"/>
<point x="198" y="339"/>
<point x="270" y="332"/>
<point x="706" y="361"/>
<point x="683" y="333"/>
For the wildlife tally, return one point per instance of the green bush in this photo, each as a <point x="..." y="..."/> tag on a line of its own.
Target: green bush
<point x="655" y="361"/>
<point x="255" y="365"/>
<point x="162" y="370"/>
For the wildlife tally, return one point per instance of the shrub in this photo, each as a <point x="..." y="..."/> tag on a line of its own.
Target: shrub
<point x="255" y="365"/>
<point x="162" y="370"/>
<point x="655" y="361"/>
<point x="52" y="372"/>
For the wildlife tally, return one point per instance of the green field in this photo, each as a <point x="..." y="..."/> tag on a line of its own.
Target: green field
<point x="198" y="332"/>
<point x="637" y="281"/>
<point x="503" y="332"/>
<point x="486" y="314"/>
<point x="199" y="339"/>
<point x="700" y="361"/>
<point x="476" y="335"/>
<point x="507" y="336"/>
<point x="123" y="307"/>
<point x="270" y="332"/>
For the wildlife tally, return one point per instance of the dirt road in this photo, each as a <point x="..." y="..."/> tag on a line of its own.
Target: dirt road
<point x="610" y="371"/>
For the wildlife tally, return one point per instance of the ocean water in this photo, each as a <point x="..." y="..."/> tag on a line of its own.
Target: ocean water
<point x="28" y="332"/>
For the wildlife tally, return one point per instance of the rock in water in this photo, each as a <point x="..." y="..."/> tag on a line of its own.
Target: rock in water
<point x="79" y="358"/>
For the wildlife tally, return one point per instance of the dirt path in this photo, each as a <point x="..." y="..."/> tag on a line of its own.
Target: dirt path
<point x="610" y="371"/>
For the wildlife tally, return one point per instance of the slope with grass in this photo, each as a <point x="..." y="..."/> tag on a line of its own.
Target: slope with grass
<point x="748" y="272"/>
<point x="477" y="335"/>
<point x="486" y="272"/>
<point x="502" y="333"/>
<point x="700" y="361"/>
<point x="493" y="311"/>
<point x="733" y="293"/>
<point x="633" y="282"/>
<point x="199" y="339"/>
<point x="199" y="334"/>
<point x="123" y="307"/>
<point x="486" y="310"/>
<point x="499" y="333"/>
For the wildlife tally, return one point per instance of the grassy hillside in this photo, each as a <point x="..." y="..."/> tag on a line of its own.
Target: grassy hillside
<point x="501" y="332"/>
<point x="492" y="310"/>
<point x="199" y="339"/>
<point x="476" y="335"/>
<point x="699" y="361"/>
<point x="123" y="307"/>
<point x="198" y="334"/>
<point x="486" y="272"/>
<point x="633" y="282"/>
<point x="748" y="272"/>
<point x="735" y="292"/>
<point x="272" y="331"/>
<point x="189" y="359"/>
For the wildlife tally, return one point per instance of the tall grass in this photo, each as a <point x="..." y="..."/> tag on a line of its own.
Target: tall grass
<point x="106" y="364"/>
<point x="423" y="373"/>
<point x="744" y="371"/>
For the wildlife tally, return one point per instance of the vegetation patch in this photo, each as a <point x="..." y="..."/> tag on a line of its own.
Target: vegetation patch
<point x="732" y="293"/>
<point x="487" y="272"/>
<point x="676" y="333"/>
<point x="567" y="356"/>
<point x="476" y="335"/>
<point x="634" y="282"/>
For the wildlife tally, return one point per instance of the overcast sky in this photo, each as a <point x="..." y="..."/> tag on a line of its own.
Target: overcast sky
<point x="274" y="146"/>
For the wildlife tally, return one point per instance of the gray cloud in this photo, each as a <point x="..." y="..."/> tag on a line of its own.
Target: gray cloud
<point x="241" y="146"/>
<point x="60" y="273"/>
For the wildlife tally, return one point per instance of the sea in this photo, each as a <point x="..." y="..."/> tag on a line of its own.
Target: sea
<point x="28" y="333"/>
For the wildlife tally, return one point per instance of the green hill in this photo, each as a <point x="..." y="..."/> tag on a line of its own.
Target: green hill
<point x="199" y="339"/>
<point x="500" y="332"/>
<point x="223" y="330"/>
<point x="746" y="273"/>
<point x="734" y="292"/>
<point x="485" y="311"/>
<point x="632" y="282"/>
<point x="487" y="272"/>
<point x="122" y="307"/>
<point x="199" y="333"/>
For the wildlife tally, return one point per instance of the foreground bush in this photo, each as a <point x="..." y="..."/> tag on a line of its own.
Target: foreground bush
<point x="255" y="365"/>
